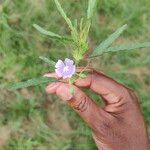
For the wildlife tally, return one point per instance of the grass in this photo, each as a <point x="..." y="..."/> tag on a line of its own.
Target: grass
<point x="29" y="118"/>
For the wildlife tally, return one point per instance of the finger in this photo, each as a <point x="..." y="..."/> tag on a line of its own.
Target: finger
<point x="110" y="91"/>
<point x="79" y="69"/>
<point x="107" y="88"/>
<point x="52" y="75"/>
<point x="79" y="101"/>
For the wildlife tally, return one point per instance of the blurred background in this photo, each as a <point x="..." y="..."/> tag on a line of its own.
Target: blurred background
<point x="32" y="120"/>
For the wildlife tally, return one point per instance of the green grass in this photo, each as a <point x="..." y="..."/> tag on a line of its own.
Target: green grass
<point x="36" y="121"/>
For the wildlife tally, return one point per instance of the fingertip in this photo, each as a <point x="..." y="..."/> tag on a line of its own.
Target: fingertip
<point x="47" y="75"/>
<point x="86" y="82"/>
<point x="51" y="75"/>
<point x="51" y="88"/>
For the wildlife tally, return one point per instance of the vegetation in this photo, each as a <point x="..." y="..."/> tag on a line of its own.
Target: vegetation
<point x="29" y="118"/>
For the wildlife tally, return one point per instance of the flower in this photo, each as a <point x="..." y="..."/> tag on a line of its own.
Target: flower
<point x="65" y="69"/>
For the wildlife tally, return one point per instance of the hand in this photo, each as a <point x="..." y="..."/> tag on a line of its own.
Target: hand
<point x="118" y="125"/>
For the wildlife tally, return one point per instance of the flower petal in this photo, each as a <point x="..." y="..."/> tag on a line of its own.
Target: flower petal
<point x="59" y="64"/>
<point x="65" y="69"/>
<point x="58" y="72"/>
<point x="68" y="62"/>
<point x="70" y="72"/>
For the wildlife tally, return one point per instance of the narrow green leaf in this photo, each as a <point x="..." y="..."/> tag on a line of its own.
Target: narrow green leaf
<point x="124" y="47"/>
<point x="76" y="24"/>
<point x="74" y="32"/>
<point x="105" y="44"/>
<point x="81" y="24"/>
<point x="91" y="7"/>
<point x="63" y="14"/>
<point x="48" y="61"/>
<point x="31" y="82"/>
<point x="71" y="91"/>
<point x="43" y="31"/>
<point x="82" y="75"/>
<point x="128" y="47"/>
<point x="49" y="33"/>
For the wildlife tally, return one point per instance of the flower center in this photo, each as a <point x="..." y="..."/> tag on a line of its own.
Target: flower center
<point x="66" y="68"/>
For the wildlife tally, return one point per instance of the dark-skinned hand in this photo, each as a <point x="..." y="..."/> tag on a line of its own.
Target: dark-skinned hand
<point x="119" y="125"/>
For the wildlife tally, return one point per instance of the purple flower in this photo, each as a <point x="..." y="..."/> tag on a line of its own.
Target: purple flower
<point x="65" y="69"/>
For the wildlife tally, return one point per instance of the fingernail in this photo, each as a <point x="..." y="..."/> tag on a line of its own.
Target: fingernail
<point x="51" y="75"/>
<point x="52" y="87"/>
<point x="47" y="75"/>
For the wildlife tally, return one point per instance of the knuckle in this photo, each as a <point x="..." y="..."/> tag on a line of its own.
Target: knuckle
<point x="127" y="94"/>
<point x="105" y="128"/>
<point x="106" y="125"/>
<point x="132" y="95"/>
<point x="125" y="91"/>
<point x="82" y="105"/>
<point x="118" y="98"/>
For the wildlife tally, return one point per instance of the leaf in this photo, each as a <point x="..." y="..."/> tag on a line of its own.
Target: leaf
<point x="43" y="31"/>
<point x="125" y="47"/>
<point x="105" y="44"/>
<point x="31" y="82"/>
<point x="76" y="24"/>
<point x="48" y="61"/>
<point x="81" y="24"/>
<point x="71" y="91"/>
<point x="64" y="14"/>
<point x="82" y="75"/>
<point x="91" y="7"/>
<point x="74" y="32"/>
<point x="51" y="34"/>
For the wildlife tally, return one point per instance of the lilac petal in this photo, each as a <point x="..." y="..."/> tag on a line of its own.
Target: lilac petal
<point x="59" y="64"/>
<point x="65" y="69"/>
<point x="68" y="62"/>
<point x="58" y="72"/>
<point x="70" y="72"/>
